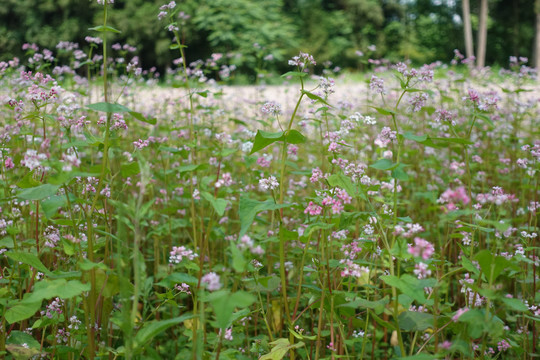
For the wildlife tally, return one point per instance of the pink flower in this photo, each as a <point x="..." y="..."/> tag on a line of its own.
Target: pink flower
<point x="458" y="314"/>
<point x="316" y="175"/>
<point x="212" y="281"/>
<point x="313" y="209"/>
<point x="422" y="248"/>
<point x="344" y="196"/>
<point x="9" y="163"/>
<point x="337" y="207"/>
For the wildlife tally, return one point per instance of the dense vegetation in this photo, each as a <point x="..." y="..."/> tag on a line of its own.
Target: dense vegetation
<point x="337" y="31"/>
<point x="393" y="218"/>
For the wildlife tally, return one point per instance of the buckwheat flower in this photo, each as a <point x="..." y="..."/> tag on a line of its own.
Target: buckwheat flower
<point x="32" y="159"/>
<point x="8" y="163"/>
<point x="51" y="236"/>
<point x="228" y="334"/>
<point x="376" y="85"/>
<point x="313" y="209"/>
<point x="247" y="146"/>
<point x="418" y="101"/>
<point x="183" y="288"/>
<point x="368" y="229"/>
<point x="212" y="281"/>
<point x="264" y="160"/>
<point x="106" y="191"/>
<point x="173" y="28"/>
<point x="327" y="86"/>
<point x="446" y="344"/>
<point x="334" y="147"/>
<point x="421" y="270"/>
<point x="422" y="248"/>
<point x="102" y="2"/>
<point x="503" y="345"/>
<point x="337" y="207"/>
<point x="458" y="314"/>
<point x="302" y="60"/>
<point x="385" y="137"/>
<point x="54" y="307"/>
<point x="522" y="163"/>
<point x="178" y="253"/>
<point x="353" y="269"/>
<point x="141" y="144"/>
<point x="162" y="15"/>
<point x="473" y="96"/>
<point x="316" y="175"/>
<point x="257" y="250"/>
<point x="268" y="184"/>
<point x="196" y="194"/>
<point x="271" y="108"/>
<point x="74" y="323"/>
<point x="343" y="195"/>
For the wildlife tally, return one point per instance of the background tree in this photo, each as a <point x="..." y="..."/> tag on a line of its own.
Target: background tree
<point x="537" y="35"/>
<point x="332" y="30"/>
<point x="482" y="34"/>
<point x="469" y="49"/>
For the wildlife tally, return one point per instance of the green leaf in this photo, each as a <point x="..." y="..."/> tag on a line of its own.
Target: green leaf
<point x="314" y="97"/>
<point x="294" y="137"/>
<point x="383" y="164"/>
<point x="469" y="266"/>
<point x="383" y="111"/>
<point x="514" y="304"/>
<point x="28" y="181"/>
<point x="28" y="259"/>
<point x="130" y="169"/>
<point x="301" y="336"/>
<point x="21" y="311"/>
<point x="87" y="265"/>
<point x="419" y="357"/>
<point x="491" y="266"/>
<point x="19" y="338"/>
<point x="280" y="347"/>
<point x="224" y="303"/>
<point x="343" y="182"/>
<point x="415" y="321"/>
<point x="454" y="140"/>
<point x="249" y="208"/>
<point x="142" y="118"/>
<point x="219" y="205"/>
<point x="102" y="28"/>
<point x="417" y="138"/>
<point x="265" y="138"/>
<point x="377" y="306"/>
<point x="39" y="192"/>
<point x="203" y="94"/>
<point x="48" y="289"/>
<point x="408" y="285"/>
<point x="154" y="328"/>
<point x="108" y="107"/>
<point x="314" y="227"/>
<point x="50" y="206"/>
<point x="295" y="74"/>
<point x="191" y="167"/>
<point x="239" y="263"/>
<point x="400" y="174"/>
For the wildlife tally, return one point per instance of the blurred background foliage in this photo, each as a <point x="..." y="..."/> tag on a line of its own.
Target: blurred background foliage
<point x="420" y="30"/>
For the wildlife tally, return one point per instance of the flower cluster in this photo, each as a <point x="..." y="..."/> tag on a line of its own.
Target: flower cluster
<point x="178" y="253"/>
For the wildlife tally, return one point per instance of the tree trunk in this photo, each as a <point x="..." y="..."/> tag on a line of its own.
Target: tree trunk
<point x="482" y="34"/>
<point x="469" y="51"/>
<point x="537" y="36"/>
